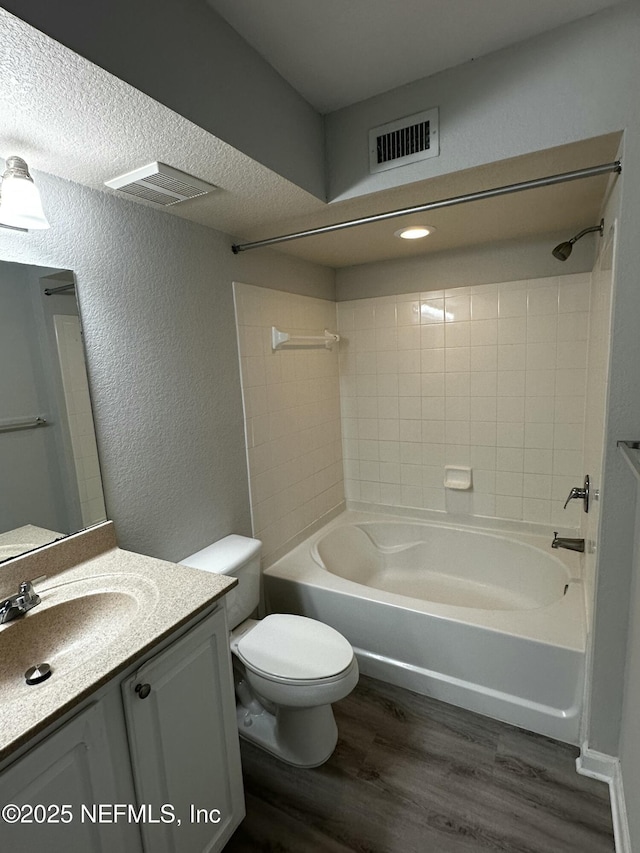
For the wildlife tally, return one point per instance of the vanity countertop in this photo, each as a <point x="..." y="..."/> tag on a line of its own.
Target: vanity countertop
<point x="101" y="609"/>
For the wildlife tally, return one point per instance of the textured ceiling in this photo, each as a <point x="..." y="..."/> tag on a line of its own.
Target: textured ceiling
<point x="72" y="119"/>
<point x="376" y="45"/>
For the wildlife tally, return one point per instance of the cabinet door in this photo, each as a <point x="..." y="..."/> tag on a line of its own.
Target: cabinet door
<point x="76" y="767"/>
<point x="183" y="740"/>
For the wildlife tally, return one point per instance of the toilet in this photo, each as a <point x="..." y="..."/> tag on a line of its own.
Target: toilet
<point x="288" y="670"/>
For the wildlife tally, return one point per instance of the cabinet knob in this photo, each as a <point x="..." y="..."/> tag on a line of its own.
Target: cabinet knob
<point x="143" y="690"/>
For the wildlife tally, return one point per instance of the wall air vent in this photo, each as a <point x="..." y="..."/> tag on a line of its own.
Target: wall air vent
<point x="160" y="184"/>
<point x="404" y="141"/>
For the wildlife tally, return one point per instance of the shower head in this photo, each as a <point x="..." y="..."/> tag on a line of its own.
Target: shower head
<point x="563" y="250"/>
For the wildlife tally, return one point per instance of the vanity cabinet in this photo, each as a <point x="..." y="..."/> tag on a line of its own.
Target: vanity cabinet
<point x="183" y="738"/>
<point x="83" y="763"/>
<point x="161" y="743"/>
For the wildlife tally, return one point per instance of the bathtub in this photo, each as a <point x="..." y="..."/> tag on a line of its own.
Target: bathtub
<point x="490" y="621"/>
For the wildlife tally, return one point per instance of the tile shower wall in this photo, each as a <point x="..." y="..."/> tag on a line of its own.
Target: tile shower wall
<point x="292" y="415"/>
<point x="492" y="377"/>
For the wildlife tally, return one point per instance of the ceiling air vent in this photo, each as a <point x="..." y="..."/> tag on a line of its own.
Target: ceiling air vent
<point x="160" y="184"/>
<point x="404" y="141"/>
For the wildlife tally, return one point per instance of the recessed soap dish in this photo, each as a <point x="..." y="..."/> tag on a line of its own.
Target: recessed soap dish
<point x="457" y="477"/>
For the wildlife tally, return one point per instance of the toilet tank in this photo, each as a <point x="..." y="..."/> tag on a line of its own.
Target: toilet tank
<point x="239" y="557"/>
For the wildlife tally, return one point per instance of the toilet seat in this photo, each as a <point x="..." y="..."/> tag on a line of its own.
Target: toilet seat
<point x="294" y="649"/>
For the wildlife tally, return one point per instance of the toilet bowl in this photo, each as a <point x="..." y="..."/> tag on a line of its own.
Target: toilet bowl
<point x="288" y="669"/>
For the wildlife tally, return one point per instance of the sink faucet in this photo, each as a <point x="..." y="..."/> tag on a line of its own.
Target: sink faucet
<point x="569" y="544"/>
<point x="19" y="604"/>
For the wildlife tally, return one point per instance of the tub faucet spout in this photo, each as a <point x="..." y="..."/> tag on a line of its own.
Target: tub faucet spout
<point x="569" y="544"/>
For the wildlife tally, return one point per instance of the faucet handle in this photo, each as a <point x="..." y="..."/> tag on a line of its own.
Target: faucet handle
<point x="581" y="493"/>
<point x="28" y="594"/>
<point x="27" y="586"/>
<point x="36" y="580"/>
<point x="576" y="492"/>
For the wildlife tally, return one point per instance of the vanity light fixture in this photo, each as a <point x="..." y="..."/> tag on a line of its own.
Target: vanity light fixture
<point x="20" y="205"/>
<point x="415" y="232"/>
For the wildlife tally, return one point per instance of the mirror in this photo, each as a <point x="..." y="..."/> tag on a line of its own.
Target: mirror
<point x="49" y="464"/>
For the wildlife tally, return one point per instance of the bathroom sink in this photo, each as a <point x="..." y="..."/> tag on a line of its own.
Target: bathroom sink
<point x="73" y="624"/>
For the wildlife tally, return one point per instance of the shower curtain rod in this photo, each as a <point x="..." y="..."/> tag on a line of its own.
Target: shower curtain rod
<point x="589" y="172"/>
<point x="64" y="288"/>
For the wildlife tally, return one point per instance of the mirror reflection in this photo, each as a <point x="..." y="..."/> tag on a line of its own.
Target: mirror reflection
<point x="49" y="465"/>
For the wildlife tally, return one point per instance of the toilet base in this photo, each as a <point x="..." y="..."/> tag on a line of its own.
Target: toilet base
<point x="303" y="737"/>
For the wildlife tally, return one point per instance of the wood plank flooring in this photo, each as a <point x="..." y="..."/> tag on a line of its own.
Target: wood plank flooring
<point x="413" y="775"/>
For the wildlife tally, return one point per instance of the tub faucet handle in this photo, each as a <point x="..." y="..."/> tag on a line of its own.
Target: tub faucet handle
<point x="580" y="493"/>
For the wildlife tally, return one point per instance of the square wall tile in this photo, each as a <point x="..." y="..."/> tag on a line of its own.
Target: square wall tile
<point x="574" y="297"/>
<point x="457" y="359"/>
<point x="542" y="300"/>
<point x="484" y="333"/>
<point x="408" y="337"/>
<point x="512" y="330"/>
<point x="457" y="334"/>
<point x="484" y="304"/>
<point x="510" y="459"/>
<point x="483" y="408"/>
<point x="511" y="383"/>
<point x="508" y="507"/>
<point x="492" y="376"/>
<point x="483" y="457"/>
<point x="432" y="311"/>
<point x="432" y="384"/>
<point x="408" y="313"/>
<point x="512" y="303"/>
<point x="542" y="328"/>
<point x="482" y="433"/>
<point x="510" y="434"/>
<point x="483" y="358"/>
<point x="457" y="307"/>
<point x="512" y="357"/>
<point x="433" y="361"/>
<point x="409" y="384"/>
<point x="432" y="336"/>
<point x="509" y="483"/>
<point x="483" y="383"/>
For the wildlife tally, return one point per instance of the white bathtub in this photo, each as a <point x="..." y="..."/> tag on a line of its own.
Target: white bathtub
<point x="490" y="621"/>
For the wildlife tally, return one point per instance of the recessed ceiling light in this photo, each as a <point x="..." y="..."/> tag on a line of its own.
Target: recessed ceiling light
<point x="415" y="232"/>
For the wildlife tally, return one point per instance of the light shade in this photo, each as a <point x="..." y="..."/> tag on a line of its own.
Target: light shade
<point x="415" y="232"/>
<point x="20" y="205"/>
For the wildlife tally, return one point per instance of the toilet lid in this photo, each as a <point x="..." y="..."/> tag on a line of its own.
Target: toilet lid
<point x="295" y="647"/>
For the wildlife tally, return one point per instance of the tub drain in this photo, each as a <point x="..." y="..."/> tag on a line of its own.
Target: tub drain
<point x="37" y="674"/>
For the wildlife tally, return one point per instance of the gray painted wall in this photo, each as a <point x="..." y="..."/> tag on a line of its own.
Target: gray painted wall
<point x="623" y="420"/>
<point x="513" y="260"/>
<point x="570" y="84"/>
<point x="186" y="56"/>
<point x="630" y="728"/>
<point x="156" y="300"/>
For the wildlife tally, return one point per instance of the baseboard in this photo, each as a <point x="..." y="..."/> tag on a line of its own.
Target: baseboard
<point x="606" y="768"/>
